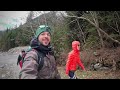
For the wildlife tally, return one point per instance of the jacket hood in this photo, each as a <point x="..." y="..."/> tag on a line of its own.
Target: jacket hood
<point x="74" y="45"/>
<point x="35" y="44"/>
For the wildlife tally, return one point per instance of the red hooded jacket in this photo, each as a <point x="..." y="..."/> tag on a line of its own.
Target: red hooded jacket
<point x="74" y="58"/>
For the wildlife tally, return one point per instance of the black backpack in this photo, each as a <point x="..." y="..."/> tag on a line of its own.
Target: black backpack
<point x="40" y="60"/>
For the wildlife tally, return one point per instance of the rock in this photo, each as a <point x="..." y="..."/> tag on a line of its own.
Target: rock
<point x="97" y="66"/>
<point x="104" y="68"/>
<point x="2" y="66"/>
<point x="3" y="75"/>
<point x="8" y="73"/>
<point x="96" y="53"/>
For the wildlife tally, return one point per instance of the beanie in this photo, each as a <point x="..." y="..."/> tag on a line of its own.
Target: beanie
<point x="42" y="28"/>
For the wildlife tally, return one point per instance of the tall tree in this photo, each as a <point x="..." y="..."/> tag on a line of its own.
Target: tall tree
<point x="29" y="20"/>
<point x="95" y="23"/>
<point x="95" y="19"/>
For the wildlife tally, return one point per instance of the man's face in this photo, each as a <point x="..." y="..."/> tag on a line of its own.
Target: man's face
<point x="44" y="38"/>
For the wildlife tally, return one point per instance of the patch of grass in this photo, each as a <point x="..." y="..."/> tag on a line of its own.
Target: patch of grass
<point x="62" y="73"/>
<point x="91" y="74"/>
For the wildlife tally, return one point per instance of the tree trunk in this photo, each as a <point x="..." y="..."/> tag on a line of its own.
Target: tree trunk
<point x="32" y="28"/>
<point x="81" y="31"/>
<point x="95" y="18"/>
<point x="97" y="28"/>
<point x="45" y="19"/>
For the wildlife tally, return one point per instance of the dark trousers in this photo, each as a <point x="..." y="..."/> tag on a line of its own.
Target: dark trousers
<point x="72" y="75"/>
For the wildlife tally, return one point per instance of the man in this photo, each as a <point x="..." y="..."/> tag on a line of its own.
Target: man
<point x="41" y="43"/>
<point x="74" y="60"/>
<point x="21" y="58"/>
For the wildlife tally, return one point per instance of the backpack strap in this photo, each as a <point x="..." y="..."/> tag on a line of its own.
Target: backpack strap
<point x="40" y="60"/>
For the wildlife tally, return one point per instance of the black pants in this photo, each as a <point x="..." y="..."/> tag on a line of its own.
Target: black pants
<point x="72" y="75"/>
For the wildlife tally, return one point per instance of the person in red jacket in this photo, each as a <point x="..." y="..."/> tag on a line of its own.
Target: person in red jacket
<point x="21" y="58"/>
<point x="73" y="60"/>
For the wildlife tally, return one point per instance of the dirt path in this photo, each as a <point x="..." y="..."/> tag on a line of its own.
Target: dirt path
<point x="8" y="63"/>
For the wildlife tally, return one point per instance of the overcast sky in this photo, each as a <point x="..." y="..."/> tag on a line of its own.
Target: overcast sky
<point x="9" y="19"/>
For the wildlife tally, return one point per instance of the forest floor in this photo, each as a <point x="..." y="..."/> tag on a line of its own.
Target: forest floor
<point x="91" y="74"/>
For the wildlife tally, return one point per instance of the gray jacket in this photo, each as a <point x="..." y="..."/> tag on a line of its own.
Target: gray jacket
<point x="30" y="67"/>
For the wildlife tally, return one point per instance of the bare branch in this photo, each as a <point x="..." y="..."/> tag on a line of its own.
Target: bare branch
<point x="81" y="30"/>
<point x="45" y="19"/>
<point x="112" y="27"/>
<point x="72" y="21"/>
<point x="96" y="27"/>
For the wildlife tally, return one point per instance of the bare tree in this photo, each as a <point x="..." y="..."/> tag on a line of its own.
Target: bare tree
<point x="115" y="22"/>
<point x="102" y="31"/>
<point x="29" y="19"/>
<point x="83" y="36"/>
<point x="95" y="19"/>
